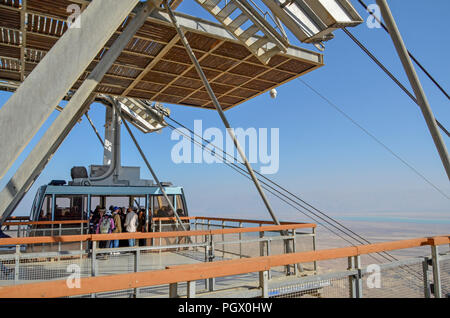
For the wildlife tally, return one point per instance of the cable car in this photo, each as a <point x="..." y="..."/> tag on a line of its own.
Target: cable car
<point x="77" y="202"/>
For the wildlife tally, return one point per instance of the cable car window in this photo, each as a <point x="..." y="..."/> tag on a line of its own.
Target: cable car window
<point x="161" y="206"/>
<point x="46" y="210"/>
<point x="181" y="211"/>
<point x="117" y="201"/>
<point x="69" y="208"/>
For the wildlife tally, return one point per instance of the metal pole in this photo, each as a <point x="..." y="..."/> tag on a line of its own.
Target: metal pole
<point x="113" y="101"/>
<point x="415" y="83"/>
<point x="426" y="283"/>
<point x="220" y="111"/>
<point x="436" y="272"/>
<point x="95" y="129"/>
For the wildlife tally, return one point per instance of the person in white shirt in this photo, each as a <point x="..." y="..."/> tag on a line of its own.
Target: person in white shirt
<point x="131" y="223"/>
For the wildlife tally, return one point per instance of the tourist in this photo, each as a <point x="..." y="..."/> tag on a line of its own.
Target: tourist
<point x="118" y="225"/>
<point x="105" y="226"/>
<point x="131" y="223"/>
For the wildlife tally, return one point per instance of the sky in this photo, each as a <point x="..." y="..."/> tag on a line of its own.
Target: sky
<point x="324" y="158"/>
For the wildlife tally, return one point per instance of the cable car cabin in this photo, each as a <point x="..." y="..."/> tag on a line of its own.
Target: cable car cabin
<point x="71" y="207"/>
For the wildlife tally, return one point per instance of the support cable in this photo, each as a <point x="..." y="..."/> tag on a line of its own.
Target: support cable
<point x="241" y="171"/>
<point x="150" y="168"/>
<point x="219" y="110"/>
<point x="377" y="61"/>
<point x="410" y="54"/>
<point x="329" y="102"/>
<point x="95" y="129"/>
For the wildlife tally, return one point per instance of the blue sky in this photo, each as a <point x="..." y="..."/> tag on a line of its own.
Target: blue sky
<point x="324" y="158"/>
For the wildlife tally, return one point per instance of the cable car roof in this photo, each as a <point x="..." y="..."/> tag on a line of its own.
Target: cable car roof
<point x="110" y="190"/>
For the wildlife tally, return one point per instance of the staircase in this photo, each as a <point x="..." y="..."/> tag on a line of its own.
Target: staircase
<point x="142" y="116"/>
<point x="243" y="21"/>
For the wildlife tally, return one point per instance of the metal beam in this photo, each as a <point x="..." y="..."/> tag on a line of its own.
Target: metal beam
<point x="415" y="83"/>
<point x="23" y="179"/>
<point x="25" y="112"/>
<point x="115" y="104"/>
<point x="221" y="113"/>
<point x="23" y="19"/>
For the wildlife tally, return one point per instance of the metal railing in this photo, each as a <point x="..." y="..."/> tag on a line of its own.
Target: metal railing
<point x="387" y="280"/>
<point x="31" y="259"/>
<point x="25" y="228"/>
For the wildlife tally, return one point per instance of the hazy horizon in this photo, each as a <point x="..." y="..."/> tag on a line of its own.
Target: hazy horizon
<point x="324" y="158"/>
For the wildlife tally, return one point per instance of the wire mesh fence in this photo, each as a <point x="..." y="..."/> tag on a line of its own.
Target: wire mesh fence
<point x="333" y="287"/>
<point x="36" y="230"/>
<point x="333" y="278"/>
<point x="25" y="269"/>
<point x="445" y="276"/>
<point x="405" y="281"/>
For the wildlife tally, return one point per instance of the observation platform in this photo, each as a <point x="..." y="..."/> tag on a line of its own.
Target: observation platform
<point x="154" y="66"/>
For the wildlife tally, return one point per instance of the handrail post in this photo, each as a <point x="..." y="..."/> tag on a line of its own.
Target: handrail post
<point x="160" y="240"/>
<point x="17" y="264"/>
<point x="94" y="265"/>
<point x="223" y="240"/>
<point x="191" y="289"/>
<point x="359" y="283"/>
<point x="212" y="280"/>
<point x="196" y="237"/>
<point x="355" y="280"/>
<point x="137" y="257"/>
<point x="436" y="272"/>
<point x="298" y="266"/>
<point x="81" y="241"/>
<point x="173" y="290"/>
<point x="264" y="283"/>
<point x="261" y="242"/>
<point x="206" y="257"/>
<point x="426" y="282"/>
<point x="314" y="248"/>
<point x="94" y="259"/>
<point x="352" y="281"/>
<point x="240" y="241"/>
<point x="59" y="243"/>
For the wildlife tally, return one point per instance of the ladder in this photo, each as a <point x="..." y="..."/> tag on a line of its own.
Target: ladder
<point x="245" y="24"/>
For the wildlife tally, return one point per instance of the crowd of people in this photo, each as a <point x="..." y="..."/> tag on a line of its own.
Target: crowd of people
<point x="118" y="220"/>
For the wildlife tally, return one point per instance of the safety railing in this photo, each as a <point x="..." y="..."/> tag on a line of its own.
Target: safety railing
<point x="24" y="228"/>
<point x="342" y="284"/>
<point x="28" y="261"/>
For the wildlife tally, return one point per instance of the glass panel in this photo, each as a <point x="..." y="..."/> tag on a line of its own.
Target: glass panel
<point x="95" y="201"/>
<point x="117" y="201"/>
<point x="180" y="206"/>
<point x="69" y="208"/>
<point x="161" y="206"/>
<point x="46" y="211"/>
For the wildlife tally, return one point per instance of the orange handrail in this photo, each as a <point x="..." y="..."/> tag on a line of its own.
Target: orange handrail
<point x="183" y="273"/>
<point x="143" y="235"/>
<point x="12" y="223"/>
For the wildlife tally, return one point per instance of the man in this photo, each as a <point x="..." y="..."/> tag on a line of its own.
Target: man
<point x="118" y="224"/>
<point x="131" y="223"/>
